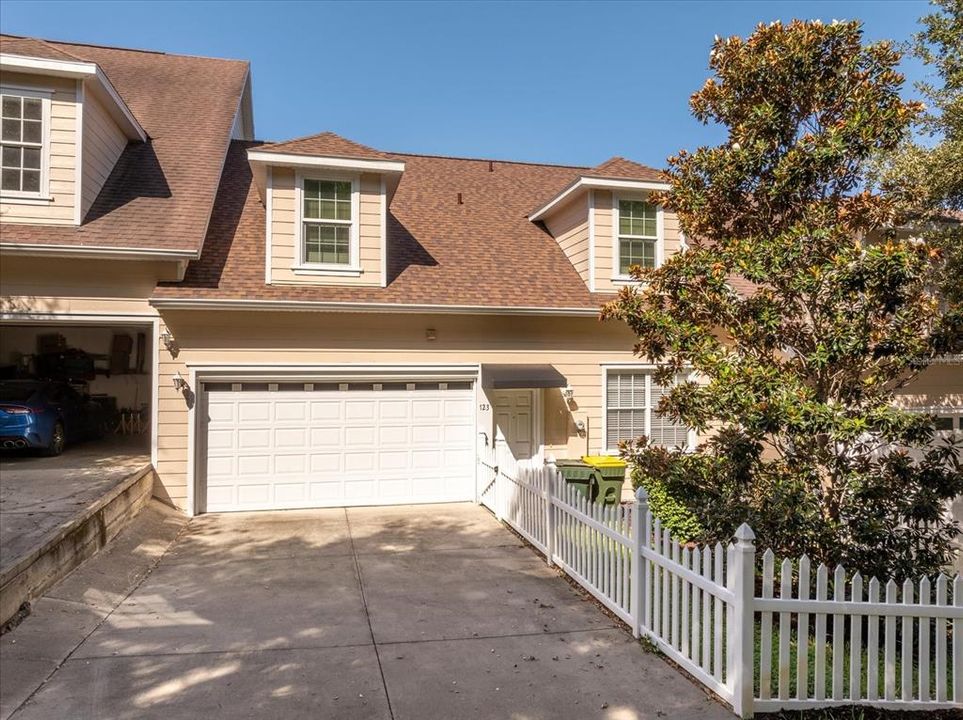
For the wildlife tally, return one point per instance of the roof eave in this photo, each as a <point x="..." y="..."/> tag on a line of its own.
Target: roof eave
<point x="585" y="182"/>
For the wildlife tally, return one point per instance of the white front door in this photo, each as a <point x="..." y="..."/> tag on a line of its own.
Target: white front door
<point x="286" y="445"/>
<point x="514" y="412"/>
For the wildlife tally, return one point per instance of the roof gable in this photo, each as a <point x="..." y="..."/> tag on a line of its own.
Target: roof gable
<point x="326" y="144"/>
<point x="619" y="167"/>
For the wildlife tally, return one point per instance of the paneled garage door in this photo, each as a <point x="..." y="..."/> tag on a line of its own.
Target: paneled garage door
<point x="273" y="446"/>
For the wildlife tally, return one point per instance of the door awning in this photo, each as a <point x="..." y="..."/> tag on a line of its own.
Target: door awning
<point x="521" y="377"/>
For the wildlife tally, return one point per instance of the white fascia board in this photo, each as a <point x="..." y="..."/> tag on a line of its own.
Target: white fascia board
<point x="97" y="251"/>
<point x="331" y="163"/>
<point x="79" y="70"/>
<point x="45" y="66"/>
<point x="586" y="182"/>
<point x="355" y="307"/>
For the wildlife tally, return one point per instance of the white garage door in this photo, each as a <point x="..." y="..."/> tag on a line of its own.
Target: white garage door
<point x="294" y="445"/>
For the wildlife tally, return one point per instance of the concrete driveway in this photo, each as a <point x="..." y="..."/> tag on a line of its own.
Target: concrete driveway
<point x="410" y="613"/>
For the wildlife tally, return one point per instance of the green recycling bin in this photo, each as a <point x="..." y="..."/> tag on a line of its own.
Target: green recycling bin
<point x="611" y="476"/>
<point x="580" y="475"/>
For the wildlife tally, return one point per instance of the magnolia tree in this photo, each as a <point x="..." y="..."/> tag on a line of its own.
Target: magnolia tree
<point x="797" y="315"/>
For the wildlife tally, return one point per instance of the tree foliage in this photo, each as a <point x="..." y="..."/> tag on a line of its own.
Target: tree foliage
<point x="800" y="317"/>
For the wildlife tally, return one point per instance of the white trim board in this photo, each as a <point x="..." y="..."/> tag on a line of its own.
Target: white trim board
<point x="584" y="182"/>
<point x="325" y="162"/>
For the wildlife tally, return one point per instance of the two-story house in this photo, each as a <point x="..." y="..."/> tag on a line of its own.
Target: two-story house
<point x="325" y="324"/>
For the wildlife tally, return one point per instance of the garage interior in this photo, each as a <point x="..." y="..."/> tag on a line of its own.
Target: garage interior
<point x="109" y="363"/>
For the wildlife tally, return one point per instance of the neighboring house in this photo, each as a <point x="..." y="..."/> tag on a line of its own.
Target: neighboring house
<point x="327" y="324"/>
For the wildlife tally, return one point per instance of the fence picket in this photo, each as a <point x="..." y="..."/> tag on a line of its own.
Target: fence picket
<point x="666" y="586"/>
<point x="889" y="652"/>
<point x="839" y="632"/>
<point x="696" y="640"/>
<point x="957" y="642"/>
<point x="802" y="633"/>
<point x="674" y="602"/>
<point x="941" y="690"/>
<point x="906" y="644"/>
<point x="707" y="612"/>
<point x="765" y="632"/>
<point x="717" y="607"/>
<point x="924" y="649"/>
<point x="855" y="643"/>
<point x="819" y="651"/>
<point x="872" y="645"/>
<point x="785" y="591"/>
<point x="684" y="609"/>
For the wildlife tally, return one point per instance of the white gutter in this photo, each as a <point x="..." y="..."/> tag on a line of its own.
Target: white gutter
<point x="586" y="182"/>
<point x="357" y="307"/>
<point x="98" y="251"/>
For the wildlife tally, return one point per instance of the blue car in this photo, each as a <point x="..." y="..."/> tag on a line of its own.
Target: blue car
<point x="45" y="416"/>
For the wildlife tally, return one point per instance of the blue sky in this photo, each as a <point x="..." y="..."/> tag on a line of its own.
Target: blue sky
<point x="550" y="82"/>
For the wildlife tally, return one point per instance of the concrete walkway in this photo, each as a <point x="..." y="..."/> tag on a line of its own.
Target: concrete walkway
<point x="414" y="613"/>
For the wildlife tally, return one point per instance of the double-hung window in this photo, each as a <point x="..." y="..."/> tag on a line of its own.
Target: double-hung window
<point x="23" y="117"/>
<point x="631" y="410"/>
<point x="638" y="235"/>
<point x="327" y="222"/>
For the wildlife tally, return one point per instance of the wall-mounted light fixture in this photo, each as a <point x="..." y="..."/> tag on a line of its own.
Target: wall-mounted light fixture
<point x="568" y="393"/>
<point x="431" y="335"/>
<point x="169" y="342"/>
<point x="179" y="382"/>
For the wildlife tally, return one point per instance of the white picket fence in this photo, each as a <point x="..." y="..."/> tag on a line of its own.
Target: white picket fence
<point x="700" y="606"/>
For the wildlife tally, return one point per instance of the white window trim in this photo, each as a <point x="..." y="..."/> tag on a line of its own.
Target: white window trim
<point x="42" y="197"/>
<point x="649" y="369"/>
<point x="353" y="268"/>
<point x="617" y="277"/>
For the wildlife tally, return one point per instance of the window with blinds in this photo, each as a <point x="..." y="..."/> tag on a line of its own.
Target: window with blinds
<point x="631" y="411"/>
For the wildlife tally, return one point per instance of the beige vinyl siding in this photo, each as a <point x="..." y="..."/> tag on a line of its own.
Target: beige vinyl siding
<point x="606" y="265"/>
<point x="285" y="233"/>
<point x="603" y="241"/>
<point x="569" y="226"/>
<point x="103" y="142"/>
<point x="62" y="152"/>
<point x="576" y="347"/>
<point x="47" y="284"/>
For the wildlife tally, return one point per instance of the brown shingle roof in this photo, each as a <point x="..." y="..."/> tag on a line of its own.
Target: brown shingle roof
<point x="326" y="144"/>
<point x="161" y="192"/>
<point x="619" y="167"/>
<point x="484" y="252"/>
<point x="32" y="47"/>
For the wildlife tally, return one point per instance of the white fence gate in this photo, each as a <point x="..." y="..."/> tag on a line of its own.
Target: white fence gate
<point x="699" y="605"/>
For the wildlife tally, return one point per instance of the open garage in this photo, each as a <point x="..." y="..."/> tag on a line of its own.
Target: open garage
<point x="92" y="382"/>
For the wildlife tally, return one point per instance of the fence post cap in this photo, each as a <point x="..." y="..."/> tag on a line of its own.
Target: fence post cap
<point x="744" y="534"/>
<point x="641" y="495"/>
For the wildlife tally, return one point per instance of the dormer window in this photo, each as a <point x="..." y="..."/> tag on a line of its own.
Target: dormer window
<point x="638" y="236"/>
<point x="24" y="117"/>
<point x="329" y="226"/>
